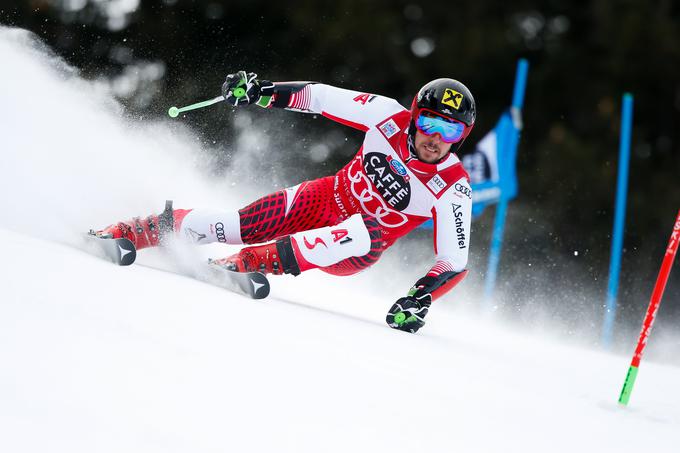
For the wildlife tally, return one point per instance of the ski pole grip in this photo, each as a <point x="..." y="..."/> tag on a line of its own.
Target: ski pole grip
<point x="239" y="92"/>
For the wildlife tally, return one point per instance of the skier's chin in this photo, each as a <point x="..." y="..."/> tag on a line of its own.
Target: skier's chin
<point x="429" y="154"/>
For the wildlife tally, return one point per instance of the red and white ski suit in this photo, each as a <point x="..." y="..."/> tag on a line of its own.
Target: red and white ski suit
<point x="342" y="223"/>
<point x="390" y="188"/>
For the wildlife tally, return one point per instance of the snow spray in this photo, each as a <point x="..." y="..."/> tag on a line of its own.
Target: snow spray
<point x="659" y="287"/>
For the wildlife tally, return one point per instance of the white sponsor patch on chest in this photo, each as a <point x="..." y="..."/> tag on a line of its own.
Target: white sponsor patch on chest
<point x="436" y="184"/>
<point x="389" y="128"/>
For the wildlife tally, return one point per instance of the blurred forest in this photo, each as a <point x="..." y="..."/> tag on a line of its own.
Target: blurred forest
<point x="583" y="56"/>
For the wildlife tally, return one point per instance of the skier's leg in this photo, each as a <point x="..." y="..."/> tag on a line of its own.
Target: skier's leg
<point x="306" y="206"/>
<point x="342" y="249"/>
<point x="205" y="226"/>
<point x="354" y="264"/>
<point x="201" y="226"/>
<point x="303" y="207"/>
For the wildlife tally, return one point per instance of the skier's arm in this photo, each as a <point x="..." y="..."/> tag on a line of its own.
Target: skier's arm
<point x="452" y="217"/>
<point x="352" y="108"/>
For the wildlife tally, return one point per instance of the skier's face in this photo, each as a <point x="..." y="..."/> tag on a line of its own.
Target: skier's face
<point x="431" y="148"/>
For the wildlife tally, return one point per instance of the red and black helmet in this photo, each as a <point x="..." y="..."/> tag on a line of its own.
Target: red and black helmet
<point x="448" y="98"/>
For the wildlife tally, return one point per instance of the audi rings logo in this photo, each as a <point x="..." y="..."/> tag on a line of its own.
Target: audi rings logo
<point x="464" y="190"/>
<point x="219" y="232"/>
<point x="371" y="202"/>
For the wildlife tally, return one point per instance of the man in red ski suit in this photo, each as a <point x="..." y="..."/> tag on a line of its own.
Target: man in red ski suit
<point x="404" y="174"/>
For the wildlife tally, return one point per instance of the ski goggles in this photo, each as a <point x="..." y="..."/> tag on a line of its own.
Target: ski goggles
<point x="450" y="131"/>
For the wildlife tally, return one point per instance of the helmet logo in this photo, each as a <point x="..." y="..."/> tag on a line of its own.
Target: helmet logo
<point x="452" y="98"/>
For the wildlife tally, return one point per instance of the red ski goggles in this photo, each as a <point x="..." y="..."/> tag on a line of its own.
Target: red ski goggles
<point x="450" y="130"/>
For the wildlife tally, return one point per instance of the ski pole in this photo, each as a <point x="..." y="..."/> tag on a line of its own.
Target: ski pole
<point x="659" y="287"/>
<point x="174" y="111"/>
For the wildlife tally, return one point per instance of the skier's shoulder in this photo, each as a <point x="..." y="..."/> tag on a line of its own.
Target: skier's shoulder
<point x="383" y="110"/>
<point x="393" y="122"/>
<point x="359" y="109"/>
<point x="453" y="179"/>
<point x="462" y="189"/>
<point x="457" y="173"/>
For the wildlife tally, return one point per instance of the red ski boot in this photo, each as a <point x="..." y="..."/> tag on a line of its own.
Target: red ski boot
<point x="147" y="232"/>
<point x="274" y="258"/>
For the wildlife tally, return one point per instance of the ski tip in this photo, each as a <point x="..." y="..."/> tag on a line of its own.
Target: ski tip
<point x="120" y="251"/>
<point x="259" y="285"/>
<point x="252" y="284"/>
<point x="127" y="252"/>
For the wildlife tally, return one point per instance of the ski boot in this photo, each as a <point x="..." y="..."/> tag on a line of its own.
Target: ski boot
<point x="274" y="258"/>
<point x="147" y="232"/>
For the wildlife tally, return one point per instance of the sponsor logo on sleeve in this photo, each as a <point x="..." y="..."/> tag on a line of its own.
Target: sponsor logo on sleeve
<point x="364" y="98"/>
<point x="389" y="128"/>
<point x="463" y="190"/>
<point x="436" y="184"/>
<point x="458" y="220"/>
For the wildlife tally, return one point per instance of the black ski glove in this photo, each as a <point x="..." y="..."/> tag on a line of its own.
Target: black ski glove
<point x="408" y="313"/>
<point x="243" y="88"/>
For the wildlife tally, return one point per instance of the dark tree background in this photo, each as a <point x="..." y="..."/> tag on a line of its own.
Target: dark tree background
<point x="583" y="54"/>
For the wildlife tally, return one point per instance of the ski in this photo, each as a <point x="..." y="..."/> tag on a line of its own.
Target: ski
<point x="119" y="251"/>
<point x="123" y="252"/>
<point x="251" y="284"/>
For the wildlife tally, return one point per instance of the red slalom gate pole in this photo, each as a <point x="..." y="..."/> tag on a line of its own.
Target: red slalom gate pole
<point x="654" y="303"/>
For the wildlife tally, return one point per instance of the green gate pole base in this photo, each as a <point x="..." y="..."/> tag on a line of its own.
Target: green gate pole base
<point x="628" y="385"/>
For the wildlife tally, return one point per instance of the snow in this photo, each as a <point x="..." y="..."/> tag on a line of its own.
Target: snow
<point x="104" y="358"/>
<point x="100" y="358"/>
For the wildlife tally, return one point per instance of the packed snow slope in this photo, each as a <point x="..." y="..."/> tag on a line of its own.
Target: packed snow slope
<point x="100" y="358"/>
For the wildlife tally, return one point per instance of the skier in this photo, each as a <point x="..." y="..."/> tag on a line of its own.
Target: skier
<point x="405" y="173"/>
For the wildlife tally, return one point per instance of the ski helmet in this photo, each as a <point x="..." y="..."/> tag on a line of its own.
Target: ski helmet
<point x="448" y="98"/>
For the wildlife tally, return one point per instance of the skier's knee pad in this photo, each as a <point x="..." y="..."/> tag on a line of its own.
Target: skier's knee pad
<point x="355" y="264"/>
<point x="342" y="249"/>
<point x="205" y="226"/>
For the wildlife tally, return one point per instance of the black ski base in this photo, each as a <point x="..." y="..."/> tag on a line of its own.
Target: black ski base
<point x="119" y="251"/>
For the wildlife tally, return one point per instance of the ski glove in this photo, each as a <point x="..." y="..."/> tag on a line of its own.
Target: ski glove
<point x="243" y="88"/>
<point x="408" y="313"/>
